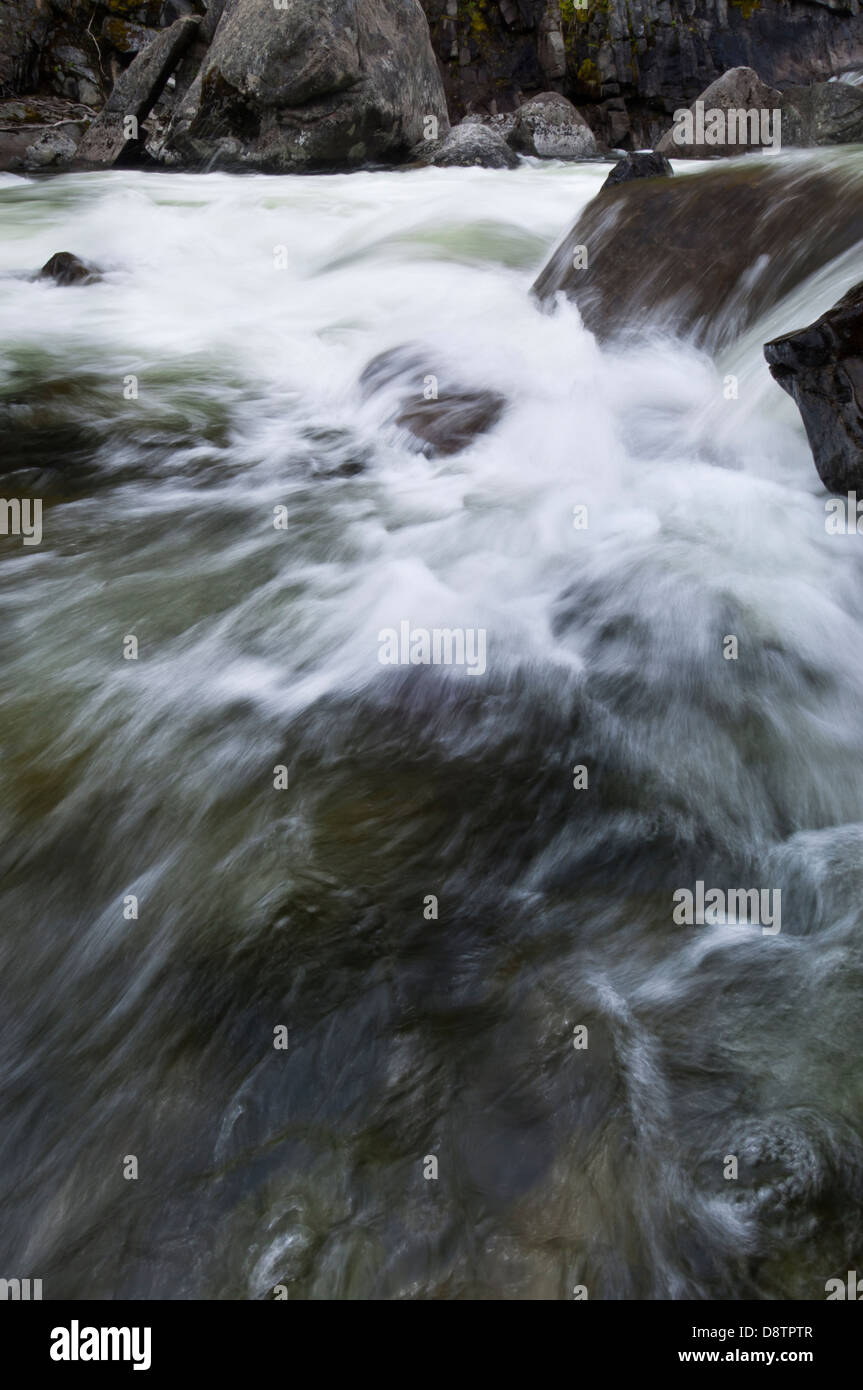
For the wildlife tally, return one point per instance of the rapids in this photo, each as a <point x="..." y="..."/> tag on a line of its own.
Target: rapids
<point x="242" y="311"/>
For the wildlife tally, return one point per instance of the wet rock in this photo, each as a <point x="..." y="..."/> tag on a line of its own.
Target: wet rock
<point x="442" y="416"/>
<point x="549" y="127"/>
<point x="703" y="255"/>
<point x="821" y="368"/>
<point x="135" y="93"/>
<point x="712" y="125"/>
<point x="643" y="165"/>
<point x="64" y="268"/>
<point x="312" y="87"/>
<point x="827" y="113"/>
<point x="469" y="144"/>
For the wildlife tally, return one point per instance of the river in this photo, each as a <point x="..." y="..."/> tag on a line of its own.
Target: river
<point x="167" y="904"/>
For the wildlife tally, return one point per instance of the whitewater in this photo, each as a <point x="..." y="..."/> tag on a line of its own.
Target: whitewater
<point x="167" y="900"/>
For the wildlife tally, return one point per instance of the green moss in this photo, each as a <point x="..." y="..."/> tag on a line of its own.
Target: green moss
<point x="746" y="7"/>
<point x="588" y="77"/>
<point x="472" y="13"/>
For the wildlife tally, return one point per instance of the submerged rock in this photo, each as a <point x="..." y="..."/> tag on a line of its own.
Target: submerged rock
<point x="311" y="87"/>
<point x="821" y="368"/>
<point x="738" y="104"/>
<point x="550" y="127"/>
<point x="646" y="164"/>
<point x="442" y="416"/>
<point x="66" y="269"/>
<point x="704" y="255"/>
<point x="470" y="144"/>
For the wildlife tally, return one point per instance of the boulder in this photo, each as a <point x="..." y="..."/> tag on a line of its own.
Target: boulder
<point x="738" y="104"/>
<point x="442" y="425"/>
<point x="706" y="254"/>
<point x="549" y="127"/>
<point x="135" y="93"/>
<point x="821" y="368"/>
<point x="645" y="164"/>
<point x="827" y="113"/>
<point x="312" y="86"/>
<point x="38" y="133"/>
<point x="469" y="144"/>
<point x="66" y="269"/>
<point x="51" y="149"/>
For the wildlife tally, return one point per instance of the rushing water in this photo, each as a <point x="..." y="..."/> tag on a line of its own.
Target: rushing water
<point x="258" y="647"/>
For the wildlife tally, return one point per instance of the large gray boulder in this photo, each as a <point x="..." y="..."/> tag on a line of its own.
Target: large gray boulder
<point x="827" y="113"/>
<point x="736" y="113"/>
<point x="821" y="368"/>
<point x="703" y="255"/>
<point x="549" y="127"/>
<point x="469" y="145"/>
<point x="313" y="85"/>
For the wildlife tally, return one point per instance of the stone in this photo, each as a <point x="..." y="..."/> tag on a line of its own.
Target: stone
<point x="66" y="269"/>
<point x="713" y="124"/>
<point x="550" y="127"/>
<point x="821" y="368"/>
<point x="444" y="424"/>
<point x="115" y="130"/>
<point x="827" y="113"/>
<point x="312" y="86"/>
<point x="37" y="132"/>
<point x="703" y="255"/>
<point x="645" y="164"/>
<point x="469" y="144"/>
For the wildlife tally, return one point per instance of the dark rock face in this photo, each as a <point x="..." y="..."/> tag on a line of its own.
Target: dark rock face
<point x="549" y="127"/>
<point x="65" y="269"/>
<point x="821" y="367"/>
<point x="24" y="28"/>
<point x="329" y="85"/>
<point x="651" y="56"/>
<point x="716" y="129"/>
<point x="444" y="423"/>
<point x="469" y="145"/>
<point x="705" y="254"/>
<point x="644" y="165"/>
<point x="827" y="113"/>
<point x="491" y="57"/>
<point x="73" y="51"/>
<point x="135" y="94"/>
